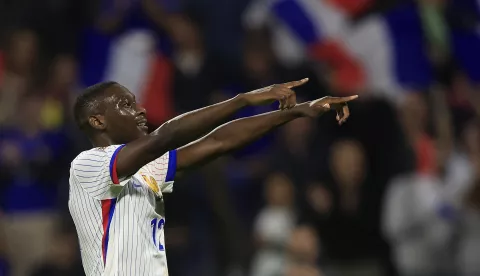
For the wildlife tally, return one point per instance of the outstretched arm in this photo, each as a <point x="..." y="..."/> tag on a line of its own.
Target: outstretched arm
<point x="237" y="133"/>
<point x="192" y="125"/>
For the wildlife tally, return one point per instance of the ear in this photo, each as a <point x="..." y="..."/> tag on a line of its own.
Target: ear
<point x="97" y="122"/>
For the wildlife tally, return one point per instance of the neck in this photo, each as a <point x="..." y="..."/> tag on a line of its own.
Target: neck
<point x="101" y="140"/>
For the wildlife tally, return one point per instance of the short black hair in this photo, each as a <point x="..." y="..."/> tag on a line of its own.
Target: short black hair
<point x="86" y="103"/>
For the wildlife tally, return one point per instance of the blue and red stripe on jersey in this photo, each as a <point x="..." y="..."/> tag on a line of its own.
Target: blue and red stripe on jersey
<point x="113" y="166"/>
<point x="108" y="208"/>
<point x="108" y="205"/>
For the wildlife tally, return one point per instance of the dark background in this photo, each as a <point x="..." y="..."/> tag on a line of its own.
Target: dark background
<point x="393" y="191"/>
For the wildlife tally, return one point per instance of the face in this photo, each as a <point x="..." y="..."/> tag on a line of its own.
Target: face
<point x="303" y="244"/>
<point x="124" y="120"/>
<point x="414" y="113"/>
<point x="184" y="33"/>
<point x="279" y="190"/>
<point x="347" y="163"/>
<point x="258" y="63"/>
<point x="24" y="50"/>
<point x="64" y="71"/>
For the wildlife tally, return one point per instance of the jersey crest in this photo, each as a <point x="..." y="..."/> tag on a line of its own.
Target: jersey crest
<point x="151" y="182"/>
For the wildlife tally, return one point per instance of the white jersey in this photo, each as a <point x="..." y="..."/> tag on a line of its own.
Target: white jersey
<point x="120" y="222"/>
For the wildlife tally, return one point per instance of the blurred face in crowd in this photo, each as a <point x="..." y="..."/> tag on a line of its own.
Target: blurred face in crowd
<point x="189" y="54"/>
<point x="319" y="198"/>
<point x="23" y="51"/>
<point x="303" y="245"/>
<point x="257" y="63"/>
<point x="258" y="59"/>
<point x="413" y="114"/>
<point x="184" y="33"/>
<point x="347" y="163"/>
<point x="279" y="190"/>
<point x="64" y="71"/>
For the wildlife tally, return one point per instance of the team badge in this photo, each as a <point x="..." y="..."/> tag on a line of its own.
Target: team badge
<point x="151" y="182"/>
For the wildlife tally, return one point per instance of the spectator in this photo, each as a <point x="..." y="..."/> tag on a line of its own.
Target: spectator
<point x="31" y="163"/>
<point x="414" y="120"/>
<point x="303" y="253"/>
<point x="273" y="226"/>
<point x="292" y="154"/>
<point x="19" y="63"/>
<point x="468" y="169"/>
<point x="414" y="225"/>
<point x="194" y="73"/>
<point x="350" y="237"/>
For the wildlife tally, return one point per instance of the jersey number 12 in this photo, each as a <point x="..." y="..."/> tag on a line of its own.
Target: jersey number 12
<point x="157" y="225"/>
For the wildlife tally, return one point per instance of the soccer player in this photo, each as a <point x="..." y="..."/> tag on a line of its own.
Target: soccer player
<point x="116" y="188"/>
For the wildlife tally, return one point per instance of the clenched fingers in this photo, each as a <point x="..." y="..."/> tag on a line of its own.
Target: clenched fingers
<point x="342" y="114"/>
<point x="286" y="97"/>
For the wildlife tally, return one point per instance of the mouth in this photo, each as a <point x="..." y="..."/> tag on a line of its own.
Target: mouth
<point x="142" y="124"/>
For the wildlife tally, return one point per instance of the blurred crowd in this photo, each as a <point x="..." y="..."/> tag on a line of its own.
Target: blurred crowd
<point x="395" y="191"/>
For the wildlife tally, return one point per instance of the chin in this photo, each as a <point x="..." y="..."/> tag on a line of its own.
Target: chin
<point x="142" y="130"/>
<point x="141" y="133"/>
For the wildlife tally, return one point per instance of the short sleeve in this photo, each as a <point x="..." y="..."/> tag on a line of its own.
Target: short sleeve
<point x="95" y="171"/>
<point x="163" y="170"/>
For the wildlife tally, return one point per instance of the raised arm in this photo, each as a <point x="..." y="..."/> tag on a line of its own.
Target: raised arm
<point x="190" y="126"/>
<point x="237" y="133"/>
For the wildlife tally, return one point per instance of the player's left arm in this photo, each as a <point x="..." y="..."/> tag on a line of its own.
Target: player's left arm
<point x="203" y="120"/>
<point x="238" y="133"/>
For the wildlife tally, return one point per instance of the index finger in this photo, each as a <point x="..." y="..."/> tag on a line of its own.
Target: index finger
<point x="343" y="99"/>
<point x="297" y="83"/>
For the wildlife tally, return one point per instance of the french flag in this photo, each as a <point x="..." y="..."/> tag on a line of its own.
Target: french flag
<point x="320" y="27"/>
<point x="384" y="53"/>
<point x="392" y="50"/>
<point x="137" y="57"/>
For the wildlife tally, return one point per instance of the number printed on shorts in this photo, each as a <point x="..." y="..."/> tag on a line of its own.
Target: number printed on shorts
<point x="157" y="225"/>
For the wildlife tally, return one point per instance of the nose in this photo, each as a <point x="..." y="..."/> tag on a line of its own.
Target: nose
<point x="141" y="110"/>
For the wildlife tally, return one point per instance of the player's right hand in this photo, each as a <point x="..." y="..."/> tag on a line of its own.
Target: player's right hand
<point x="278" y="92"/>
<point x="322" y="105"/>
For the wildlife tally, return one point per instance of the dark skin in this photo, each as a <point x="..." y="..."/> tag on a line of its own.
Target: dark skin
<point x="124" y="122"/>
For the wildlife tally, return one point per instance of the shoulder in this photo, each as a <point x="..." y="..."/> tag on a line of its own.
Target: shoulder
<point x="97" y="152"/>
<point x="95" y="155"/>
<point x="401" y="183"/>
